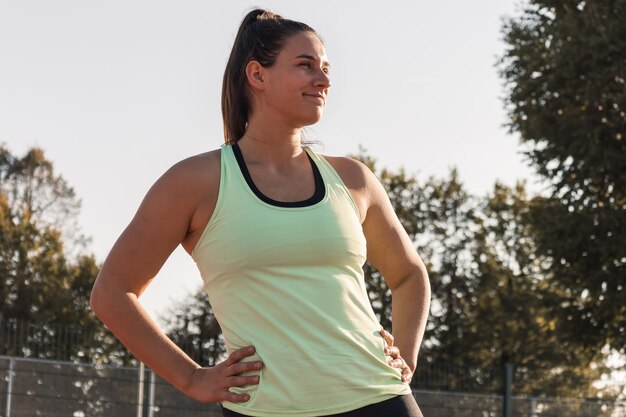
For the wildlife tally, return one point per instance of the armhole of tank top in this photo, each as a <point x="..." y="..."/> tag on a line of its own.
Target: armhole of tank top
<point x="333" y="172"/>
<point x="218" y="203"/>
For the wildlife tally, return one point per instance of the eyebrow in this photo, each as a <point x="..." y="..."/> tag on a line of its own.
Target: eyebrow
<point x="312" y="58"/>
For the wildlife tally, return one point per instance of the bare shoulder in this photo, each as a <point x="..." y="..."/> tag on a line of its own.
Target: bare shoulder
<point x="188" y="183"/>
<point x="199" y="177"/>
<point x="353" y="172"/>
<point x="200" y="166"/>
<point x="356" y="176"/>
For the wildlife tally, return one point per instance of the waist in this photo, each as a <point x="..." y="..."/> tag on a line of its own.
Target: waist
<point x="315" y="374"/>
<point x="317" y="336"/>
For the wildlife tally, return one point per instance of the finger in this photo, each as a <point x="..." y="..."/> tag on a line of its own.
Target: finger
<point x="397" y="363"/>
<point x="238" y="355"/>
<point x="238" y="381"/>
<point x="392" y="351"/>
<point x="388" y="336"/>
<point x="241" y="367"/>
<point x="235" y="398"/>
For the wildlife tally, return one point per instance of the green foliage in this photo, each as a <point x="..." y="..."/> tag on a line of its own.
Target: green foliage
<point x="193" y="327"/>
<point x="491" y="302"/>
<point x="565" y="68"/>
<point x="40" y="288"/>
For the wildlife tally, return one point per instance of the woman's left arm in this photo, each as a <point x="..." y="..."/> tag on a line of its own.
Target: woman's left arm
<point x="391" y="251"/>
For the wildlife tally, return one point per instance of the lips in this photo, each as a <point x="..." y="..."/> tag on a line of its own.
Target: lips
<point x="316" y="96"/>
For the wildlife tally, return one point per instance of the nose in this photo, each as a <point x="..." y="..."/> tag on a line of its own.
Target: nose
<point x="323" y="79"/>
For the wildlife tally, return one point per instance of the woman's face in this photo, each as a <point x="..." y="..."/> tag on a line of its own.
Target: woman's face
<point x="296" y="86"/>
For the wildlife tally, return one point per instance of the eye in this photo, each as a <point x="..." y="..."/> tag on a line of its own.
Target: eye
<point x="305" y="64"/>
<point x="326" y="70"/>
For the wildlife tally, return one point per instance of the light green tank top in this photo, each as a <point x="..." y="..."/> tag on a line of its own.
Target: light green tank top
<point x="288" y="279"/>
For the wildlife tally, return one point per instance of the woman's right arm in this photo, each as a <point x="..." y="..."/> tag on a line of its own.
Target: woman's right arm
<point x="159" y="226"/>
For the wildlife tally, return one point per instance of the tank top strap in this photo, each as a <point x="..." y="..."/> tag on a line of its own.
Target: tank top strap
<point x="232" y="182"/>
<point x="333" y="181"/>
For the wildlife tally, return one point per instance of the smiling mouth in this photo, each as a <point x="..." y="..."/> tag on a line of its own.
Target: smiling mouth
<point x="317" y="97"/>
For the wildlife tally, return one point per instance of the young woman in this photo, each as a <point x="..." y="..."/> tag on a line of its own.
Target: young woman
<point x="280" y="234"/>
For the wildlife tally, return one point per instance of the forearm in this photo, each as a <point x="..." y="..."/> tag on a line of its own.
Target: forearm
<point x="123" y="314"/>
<point x="410" y="304"/>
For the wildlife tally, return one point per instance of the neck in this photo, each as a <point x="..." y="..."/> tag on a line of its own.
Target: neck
<point x="270" y="141"/>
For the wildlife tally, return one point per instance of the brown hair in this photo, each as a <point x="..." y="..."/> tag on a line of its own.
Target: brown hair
<point x="261" y="37"/>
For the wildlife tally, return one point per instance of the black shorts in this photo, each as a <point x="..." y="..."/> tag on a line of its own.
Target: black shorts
<point x="400" y="406"/>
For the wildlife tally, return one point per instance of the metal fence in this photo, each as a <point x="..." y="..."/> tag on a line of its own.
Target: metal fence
<point x="37" y="387"/>
<point x="57" y="342"/>
<point x="48" y="370"/>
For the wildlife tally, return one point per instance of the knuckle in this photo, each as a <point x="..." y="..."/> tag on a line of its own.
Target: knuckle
<point x="240" y="380"/>
<point x="239" y="367"/>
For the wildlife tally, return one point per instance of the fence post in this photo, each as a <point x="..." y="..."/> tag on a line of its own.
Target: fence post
<point x="140" y="390"/>
<point x="9" y="388"/>
<point x="151" y="397"/>
<point x="508" y="383"/>
<point x="533" y="407"/>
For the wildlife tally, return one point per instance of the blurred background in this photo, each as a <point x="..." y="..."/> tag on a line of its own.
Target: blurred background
<point x="497" y="128"/>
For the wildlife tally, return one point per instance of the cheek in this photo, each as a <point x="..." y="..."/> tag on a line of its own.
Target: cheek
<point x="282" y="89"/>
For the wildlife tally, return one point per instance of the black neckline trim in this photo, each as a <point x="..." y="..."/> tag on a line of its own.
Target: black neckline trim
<point x="320" y="189"/>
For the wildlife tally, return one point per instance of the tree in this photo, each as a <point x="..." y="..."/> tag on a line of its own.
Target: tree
<point x="36" y="193"/>
<point x="564" y="69"/>
<point x="490" y="301"/>
<point x="44" y="296"/>
<point x="193" y="327"/>
<point x="504" y="307"/>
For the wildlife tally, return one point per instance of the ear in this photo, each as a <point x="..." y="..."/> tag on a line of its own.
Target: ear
<point x="255" y="73"/>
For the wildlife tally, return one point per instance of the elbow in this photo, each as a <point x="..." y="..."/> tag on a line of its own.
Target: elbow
<point x="100" y="298"/>
<point x="108" y="298"/>
<point x="424" y="283"/>
<point x="417" y="281"/>
<point x="95" y="299"/>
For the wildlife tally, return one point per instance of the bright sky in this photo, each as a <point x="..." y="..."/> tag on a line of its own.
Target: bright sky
<point x="116" y="92"/>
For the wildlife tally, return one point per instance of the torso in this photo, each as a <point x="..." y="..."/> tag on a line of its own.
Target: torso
<point x="286" y="186"/>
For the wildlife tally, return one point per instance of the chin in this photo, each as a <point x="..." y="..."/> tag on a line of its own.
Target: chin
<point x="307" y="118"/>
<point x="314" y="118"/>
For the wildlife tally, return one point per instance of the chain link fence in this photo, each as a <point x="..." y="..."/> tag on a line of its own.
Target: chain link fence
<point x="36" y="387"/>
<point x="48" y="370"/>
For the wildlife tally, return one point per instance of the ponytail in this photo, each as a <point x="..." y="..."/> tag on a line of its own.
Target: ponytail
<point x="261" y="37"/>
